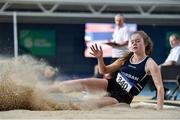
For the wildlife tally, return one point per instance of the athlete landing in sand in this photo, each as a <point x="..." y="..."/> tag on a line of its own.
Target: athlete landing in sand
<point x="135" y="68"/>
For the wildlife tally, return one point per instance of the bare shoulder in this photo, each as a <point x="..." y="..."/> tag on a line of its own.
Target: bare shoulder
<point x="150" y="61"/>
<point x="119" y="62"/>
<point x="151" y="65"/>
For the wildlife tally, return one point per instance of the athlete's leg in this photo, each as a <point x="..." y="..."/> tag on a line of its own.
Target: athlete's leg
<point x="87" y="84"/>
<point x="98" y="103"/>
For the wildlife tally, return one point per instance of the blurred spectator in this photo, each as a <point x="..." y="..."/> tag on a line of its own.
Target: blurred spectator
<point x="174" y="55"/>
<point x="172" y="59"/>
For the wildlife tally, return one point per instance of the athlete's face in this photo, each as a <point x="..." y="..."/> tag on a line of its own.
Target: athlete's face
<point x="136" y="44"/>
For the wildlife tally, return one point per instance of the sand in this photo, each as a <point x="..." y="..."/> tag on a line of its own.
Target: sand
<point x="14" y="75"/>
<point x="119" y="111"/>
<point x="141" y="109"/>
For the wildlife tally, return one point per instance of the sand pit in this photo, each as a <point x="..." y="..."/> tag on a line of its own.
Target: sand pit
<point x="119" y="111"/>
<point x="18" y="79"/>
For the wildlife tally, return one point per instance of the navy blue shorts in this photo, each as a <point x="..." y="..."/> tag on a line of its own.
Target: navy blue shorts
<point x="118" y="93"/>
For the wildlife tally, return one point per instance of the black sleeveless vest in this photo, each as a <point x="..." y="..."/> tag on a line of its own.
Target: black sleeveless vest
<point x="132" y="77"/>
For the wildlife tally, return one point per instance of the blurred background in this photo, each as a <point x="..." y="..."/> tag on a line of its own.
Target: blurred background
<point x="55" y="30"/>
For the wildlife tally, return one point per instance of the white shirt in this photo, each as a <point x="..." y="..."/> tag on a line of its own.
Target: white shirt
<point x="174" y="55"/>
<point x="120" y="34"/>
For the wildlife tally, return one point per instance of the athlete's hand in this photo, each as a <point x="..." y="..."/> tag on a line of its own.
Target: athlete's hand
<point x="96" y="52"/>
<point x="159" y="108"/>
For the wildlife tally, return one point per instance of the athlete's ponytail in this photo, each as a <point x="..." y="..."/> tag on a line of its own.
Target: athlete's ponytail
<point x="127" y="56"/>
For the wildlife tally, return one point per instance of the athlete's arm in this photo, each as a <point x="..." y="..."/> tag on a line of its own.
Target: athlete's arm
<point x="103" y="69"/>
<point x="154" y="70"/>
